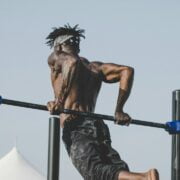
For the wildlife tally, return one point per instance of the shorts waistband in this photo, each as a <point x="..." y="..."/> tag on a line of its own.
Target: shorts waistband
<point x="72" y="124"/>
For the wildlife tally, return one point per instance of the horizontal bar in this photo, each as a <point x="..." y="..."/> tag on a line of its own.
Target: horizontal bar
<point x="84" y="114"/>
<point x="23" y="104"/>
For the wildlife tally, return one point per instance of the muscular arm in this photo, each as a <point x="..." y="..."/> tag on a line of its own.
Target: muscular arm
<point x="67" y="76"/>
<point x="113" y="73"/>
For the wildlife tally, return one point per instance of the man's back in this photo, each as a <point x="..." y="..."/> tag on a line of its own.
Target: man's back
<point x="75" y="81"/>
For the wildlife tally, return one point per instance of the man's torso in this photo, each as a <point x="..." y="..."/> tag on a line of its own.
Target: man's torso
<point x="85" y="84"/>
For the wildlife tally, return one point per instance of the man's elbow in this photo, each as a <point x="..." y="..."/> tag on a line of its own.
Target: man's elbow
<point x="129" y="71"/>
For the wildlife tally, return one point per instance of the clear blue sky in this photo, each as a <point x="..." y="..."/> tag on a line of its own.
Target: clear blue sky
<point x="142" y="34"/>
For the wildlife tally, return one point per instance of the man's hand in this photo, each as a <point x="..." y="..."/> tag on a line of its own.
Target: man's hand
<point x="54" y="107"/>
<point x="122" y="118"/>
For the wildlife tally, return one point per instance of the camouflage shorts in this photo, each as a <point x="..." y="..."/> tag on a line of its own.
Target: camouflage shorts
<point x="89" y="146"/>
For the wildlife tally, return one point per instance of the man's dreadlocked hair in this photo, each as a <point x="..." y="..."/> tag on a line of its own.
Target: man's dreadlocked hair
<point x="66" y="30"/>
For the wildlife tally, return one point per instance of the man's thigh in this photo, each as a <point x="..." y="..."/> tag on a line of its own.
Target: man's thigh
<point x="93" y="160"/>
<point x="84" y="154"/>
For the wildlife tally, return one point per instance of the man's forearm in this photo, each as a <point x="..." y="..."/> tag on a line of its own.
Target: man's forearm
<point x="122" y="98"/>
<point x="126" y="82"/>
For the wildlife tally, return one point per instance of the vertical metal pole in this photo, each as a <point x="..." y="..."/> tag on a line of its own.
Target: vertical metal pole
<point x="175" y="164"/>
<point x="53" y="149"/>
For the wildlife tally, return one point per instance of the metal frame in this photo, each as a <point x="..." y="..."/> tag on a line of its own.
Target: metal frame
<point x="83" y="114"/>
<point x="53" y="149"/>
<point x="175" y="162"/>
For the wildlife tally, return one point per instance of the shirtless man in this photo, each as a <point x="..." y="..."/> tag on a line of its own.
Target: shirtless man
<point x="76" y="83"/>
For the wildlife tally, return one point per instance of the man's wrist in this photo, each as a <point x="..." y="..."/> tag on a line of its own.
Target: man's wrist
<point x="119" y="110"/>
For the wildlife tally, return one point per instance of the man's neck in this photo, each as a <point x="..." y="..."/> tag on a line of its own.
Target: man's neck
<point x="69" y="50"/>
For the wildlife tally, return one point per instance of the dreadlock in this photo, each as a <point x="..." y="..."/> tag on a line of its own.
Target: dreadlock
<point x="66" y="30"/>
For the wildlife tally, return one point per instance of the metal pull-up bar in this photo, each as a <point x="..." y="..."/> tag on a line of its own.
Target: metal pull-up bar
<point x="166" y="126"/>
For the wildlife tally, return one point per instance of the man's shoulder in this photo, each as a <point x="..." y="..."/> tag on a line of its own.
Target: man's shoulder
<point x="51" y="59"/>
<point x="84" y="59"/>
<point x="92" y="62"/>
<point x="93" y="65"/>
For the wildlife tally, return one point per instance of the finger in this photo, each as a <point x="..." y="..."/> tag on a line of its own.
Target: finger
<point x="129" y="122"/>
<point x="50" y="104"/>
<point x="49" y="107"/>
<point x="121" y="122"/>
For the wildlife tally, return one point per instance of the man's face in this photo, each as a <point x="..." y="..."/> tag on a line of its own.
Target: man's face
<point x="67" y="46"/>
<point x="58" y="47"/>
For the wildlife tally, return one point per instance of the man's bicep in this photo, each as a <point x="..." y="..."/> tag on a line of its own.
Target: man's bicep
<point x="112" y="72"/>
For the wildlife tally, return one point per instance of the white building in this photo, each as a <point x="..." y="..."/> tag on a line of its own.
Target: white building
<point x="14" y="167"/>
